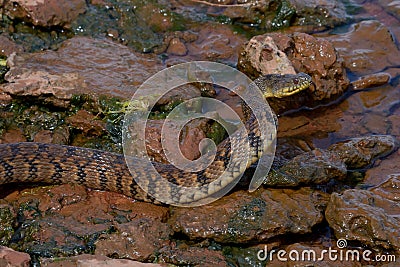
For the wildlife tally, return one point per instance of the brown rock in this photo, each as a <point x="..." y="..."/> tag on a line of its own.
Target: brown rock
<point x="215" y="43"/>
<point x="12" y="258"/>
<point x="61" y="220"/>
<point x="87" y="123"/>
<point x="191" y="136"/>
<point x="81" y="66"/>
<point x="362" y="151"/>
<point x="314" y="56"/>
<point x="192" y="256"/>
<point x="45" y="13"/>
<point x="7" y="47"/>
<point x="86" y="260"/>
<point x="365" y="216"/>
<point x="44" y="136"/>
<point x="371" y="80"/>
<point x="242" y="217"/>
<point x="13" y="136"/>
<point x="390" y="188"/>
<point x="261" y="56"/>
<point x="315" y="167"/>
<point x="139" y="239"/>
<point x="177" y="47"/>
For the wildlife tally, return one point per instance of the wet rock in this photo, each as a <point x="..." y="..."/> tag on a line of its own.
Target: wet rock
<point x="86" y="260"/>
<point x="366" y="216"/>
<point x="7" y="47"/>
<point x="360" y="152"/>
<point x="367" y="47"/>
<point x="371" y="80"/>
<point x="391" y="7"/>
<point x="45" y="14"/>
<point x="310" y="168"/>
<point x="177" y="47"/>
<point x="6" y="223"/>
<point x="13" y="136"/>
<point x="261" y="55"/>
<point x="191" y="136"/>
<point x="314" y="56"/>
<point x="215" y="43"/>
<point x="192" y="256"/>
<point x="65" y="220"/>
<point x="81" y="66"/>
<point x="242" y="217"/>
<point x="390" y="188"/>
<point x="12" y="258"/>
<point x="87" y="123"/>
<point x="320" y="166"/>
<point x="267" y="14"/>
<point x="327" y="13"/>
<point x="139" y="239"/>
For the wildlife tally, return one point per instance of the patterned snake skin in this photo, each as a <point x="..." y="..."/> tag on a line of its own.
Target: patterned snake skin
<point x="57" y="164"/>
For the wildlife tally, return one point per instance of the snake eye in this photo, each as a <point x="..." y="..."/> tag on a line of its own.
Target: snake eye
<point x="295" y="80"/>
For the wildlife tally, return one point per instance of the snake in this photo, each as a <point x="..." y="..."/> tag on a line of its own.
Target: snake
<point x="32" y="162"/>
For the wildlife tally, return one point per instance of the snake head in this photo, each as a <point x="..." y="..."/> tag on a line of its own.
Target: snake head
<point x="279" y="86"/>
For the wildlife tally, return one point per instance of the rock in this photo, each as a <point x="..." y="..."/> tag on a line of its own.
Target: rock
<point x="177" y="47"/>
<point x="215" y="43"/>
<point x="372" y="80"/>
<point x="266" y="14"/>
<point x="13" y="136"/>
<point x="139" y="239"/>
<point x="262" y="56"/>
<point x="86" y="260"/>
<point x="48" y="13"/>
<point x="310" y="168"/>
<point x="362" y="151"/>
<point x="242" y="217"/>
<point x="314" y="56"/>
<point x="367" y="47"/>
<point x="390" y="188"/>
<point x="367" y="217"/>
<point x="7" y="46"/>
<point x="191" y="136"/>
<point x="87" y="123"/>
<point x="192" y="256"/>
<point x="12" y="258"/>
<point x="320" y="166"/>
<point x="81" y="66"/>
<point x="65" y="220"/>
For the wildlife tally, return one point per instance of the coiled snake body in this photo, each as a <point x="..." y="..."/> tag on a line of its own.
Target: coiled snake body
<point x="57" y="164"/>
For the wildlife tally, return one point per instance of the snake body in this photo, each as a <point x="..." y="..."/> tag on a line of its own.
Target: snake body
<point x="30" y="162"/>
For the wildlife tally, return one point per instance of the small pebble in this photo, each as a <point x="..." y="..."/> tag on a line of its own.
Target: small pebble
<point x="371" y="80"/>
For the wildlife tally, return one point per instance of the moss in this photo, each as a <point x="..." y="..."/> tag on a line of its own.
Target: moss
<point x="284" y="16"/>
<point x="135" y="22"/>
<point x="3" y="68"/>
<point x="216" y="132"/>
<point x="6" y="222"/>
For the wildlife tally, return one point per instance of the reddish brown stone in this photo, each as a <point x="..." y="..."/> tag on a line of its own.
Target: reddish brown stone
<point x="45" y="13"/>
<point x="242" y="217"/>
<point x="12" y="258"/>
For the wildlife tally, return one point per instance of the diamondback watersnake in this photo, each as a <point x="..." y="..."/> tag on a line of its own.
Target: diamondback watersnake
<point x="57" y="164"/>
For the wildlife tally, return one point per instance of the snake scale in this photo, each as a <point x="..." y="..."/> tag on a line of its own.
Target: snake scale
<point x="30" y="162"/>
